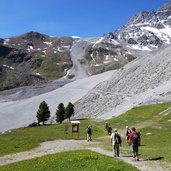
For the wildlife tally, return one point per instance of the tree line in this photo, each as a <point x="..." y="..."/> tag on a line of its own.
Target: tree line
<point x="62" y="112"/>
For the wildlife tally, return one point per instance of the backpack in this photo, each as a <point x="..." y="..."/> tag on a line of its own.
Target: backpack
<point x="135" y="138"/>
<point x="117" y="139"/>
<point x="88" y="130"/>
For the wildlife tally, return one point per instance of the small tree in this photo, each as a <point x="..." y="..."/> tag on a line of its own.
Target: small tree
<point x="60" y="112"/>
<point x="69" y="111"/>
<point x="43" y="113"/>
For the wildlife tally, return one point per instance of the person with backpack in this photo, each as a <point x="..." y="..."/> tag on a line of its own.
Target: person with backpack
<point x="134" y="140"/>
<point x="89" y="133"/>
<point x="116" y="142"/>
<point x="109" y="130"/>
<point x="127" y="133"/>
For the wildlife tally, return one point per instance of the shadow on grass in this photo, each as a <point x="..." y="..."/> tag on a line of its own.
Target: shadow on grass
<point x="151" y="159"/>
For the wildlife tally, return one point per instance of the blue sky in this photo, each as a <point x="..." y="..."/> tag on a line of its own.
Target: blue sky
<point x="85" y="18"/>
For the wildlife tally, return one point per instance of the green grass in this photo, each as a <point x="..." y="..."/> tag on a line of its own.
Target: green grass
<point x="146" y="119"/>
<point x="27" y="138"/>
<point x="83" y="160"/>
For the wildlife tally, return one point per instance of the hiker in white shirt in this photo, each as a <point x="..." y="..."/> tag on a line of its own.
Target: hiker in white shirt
<point x="116" y="142"/>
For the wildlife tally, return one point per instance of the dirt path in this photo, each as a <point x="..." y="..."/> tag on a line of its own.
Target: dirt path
<point x="57" y="146"/>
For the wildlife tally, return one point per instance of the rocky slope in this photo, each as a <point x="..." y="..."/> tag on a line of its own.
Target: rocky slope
<point x="146" y="31"/>
<point x="142" y="34"/>
<point x="143" y="81"/>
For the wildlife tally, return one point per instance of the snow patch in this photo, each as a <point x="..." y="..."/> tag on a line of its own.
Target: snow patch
<point x="48" y="43"/>
<point x="164" y="34"/>
<point x="6" y="41"/>
<point x="138" y="47"/>
<point x="115" y="59"/>
<point x="97" y="42"/>
<point x="6" y="66"/>
<point x="44" y="51"/>
<point x="76" y="37"/>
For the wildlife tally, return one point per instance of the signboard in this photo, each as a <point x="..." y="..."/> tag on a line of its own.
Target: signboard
<point x="75" y="127"/>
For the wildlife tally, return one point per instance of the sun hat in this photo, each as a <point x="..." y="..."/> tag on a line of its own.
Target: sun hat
<point x="115" y="130"/>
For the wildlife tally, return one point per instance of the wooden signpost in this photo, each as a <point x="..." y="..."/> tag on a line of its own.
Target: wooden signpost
<point x="75" y="128"/>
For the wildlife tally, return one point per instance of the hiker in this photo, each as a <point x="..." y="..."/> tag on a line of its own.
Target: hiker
<point x="106" y="127"/>
<point x="89" y="133"/>
<point x="127" y="133"/>
<point x="109" y="131"/>
<point x="134" y="140"/>
<point x="116" y="142"/>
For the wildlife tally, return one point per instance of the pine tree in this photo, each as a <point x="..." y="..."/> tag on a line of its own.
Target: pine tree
<point x="60" y="112"/>
<point x="43" y="113"/>
<point x="69" y="111"/>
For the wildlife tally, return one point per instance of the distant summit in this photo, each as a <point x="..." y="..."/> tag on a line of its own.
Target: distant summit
<point x="165" y="7"/>
<point x="144" y="32"/>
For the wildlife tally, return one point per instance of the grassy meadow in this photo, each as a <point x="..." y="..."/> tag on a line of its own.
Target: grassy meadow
<point x="155" y="128"/>
<point x="83" y="160"/>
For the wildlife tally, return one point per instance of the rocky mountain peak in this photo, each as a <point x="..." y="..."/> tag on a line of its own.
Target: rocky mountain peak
<point x="165" y="7"/>
<point x="145" y="32"/>
<point x="32" y="36"/>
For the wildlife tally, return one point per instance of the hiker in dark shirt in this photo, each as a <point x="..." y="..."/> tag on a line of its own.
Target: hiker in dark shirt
<point x="106" y="127"/>
<point x="89" y="133"/>
<point x="109" y="130"/>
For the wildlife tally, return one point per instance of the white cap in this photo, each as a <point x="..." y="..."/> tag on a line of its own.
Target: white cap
<point x="115" y="130"/>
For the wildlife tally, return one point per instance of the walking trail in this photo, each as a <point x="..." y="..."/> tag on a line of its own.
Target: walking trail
<point x="57" y="146"/>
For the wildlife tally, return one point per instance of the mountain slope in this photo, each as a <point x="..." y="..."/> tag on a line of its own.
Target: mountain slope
<point x="34" y="55"/>
<point x="145" y="80"/>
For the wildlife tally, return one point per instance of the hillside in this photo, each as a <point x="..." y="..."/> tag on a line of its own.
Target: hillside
<point x="35" y="57"/>
<point x="144" y="81"/>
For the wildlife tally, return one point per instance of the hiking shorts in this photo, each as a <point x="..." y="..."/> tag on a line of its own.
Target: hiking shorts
<point x="134" y="148"/>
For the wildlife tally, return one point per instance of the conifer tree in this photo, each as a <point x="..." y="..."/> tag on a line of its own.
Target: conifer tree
<point x="60" y="113"/>
<point x="69" y="111"/>
<point x="43" y="113"/>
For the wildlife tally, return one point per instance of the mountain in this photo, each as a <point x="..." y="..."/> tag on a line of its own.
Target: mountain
<point x="144" y="32"/>
<point x="145" y="80"/>
<point x="33" y="58"/>
<point x="142" y="72"/>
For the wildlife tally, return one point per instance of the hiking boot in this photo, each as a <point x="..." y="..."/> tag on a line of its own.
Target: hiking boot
<point x="133" y="159"/>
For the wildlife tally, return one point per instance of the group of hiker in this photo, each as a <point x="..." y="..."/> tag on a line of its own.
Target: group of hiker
<point x="132" y="139"/>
